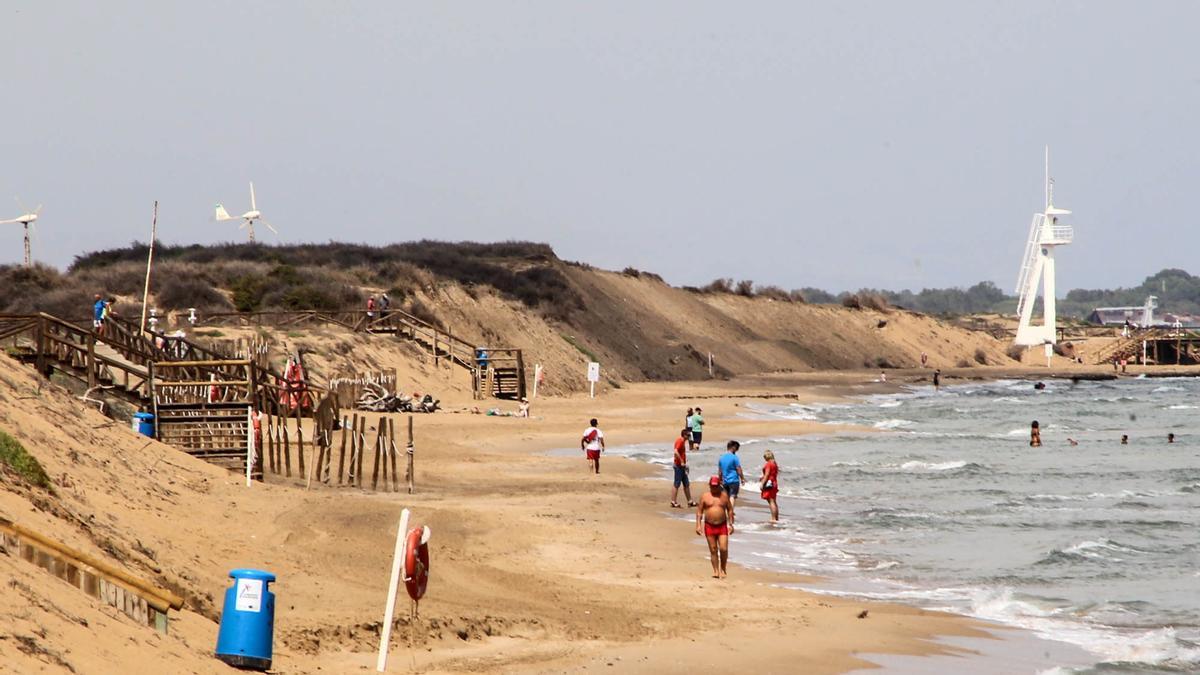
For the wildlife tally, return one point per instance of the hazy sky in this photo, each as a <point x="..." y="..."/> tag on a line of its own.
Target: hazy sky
<point x="837" y="144"/>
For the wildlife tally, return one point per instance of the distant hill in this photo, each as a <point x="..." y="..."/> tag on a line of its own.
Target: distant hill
<point x="519" y="294"/>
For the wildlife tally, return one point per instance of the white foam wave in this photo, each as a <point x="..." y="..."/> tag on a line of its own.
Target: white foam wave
<point x="933" y="466"/>
<point x="893" y="424"/>
<point x="1183" y="407"/>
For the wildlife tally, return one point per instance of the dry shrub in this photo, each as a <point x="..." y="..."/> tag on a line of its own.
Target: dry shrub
<point x="1014" y="352"/>
<point x="744" y="288"/>
<point x="185" y="292"/>
<point x="718" y="285"/>
<point x="963" y="363"/>
<point x="774" y="293"/>
<point x="980" y="356"/>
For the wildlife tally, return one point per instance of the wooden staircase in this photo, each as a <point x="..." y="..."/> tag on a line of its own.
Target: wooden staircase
<point x="1128" y="348"/>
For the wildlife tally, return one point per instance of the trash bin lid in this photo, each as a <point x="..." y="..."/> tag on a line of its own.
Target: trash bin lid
<point x="143" y="415"/>
<point x="243" y="573"/>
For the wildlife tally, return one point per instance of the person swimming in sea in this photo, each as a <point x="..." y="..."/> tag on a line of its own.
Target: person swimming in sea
<point x="1035" y="435"/>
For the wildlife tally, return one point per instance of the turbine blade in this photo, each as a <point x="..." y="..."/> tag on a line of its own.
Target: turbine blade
<point x="243" y="225"/>
<point x="269" y="226"/>
<point x="21" y="206"/>
<point x="5" y="222"/>
<point x="253" y="205"/>
<point x="38" y="210"/>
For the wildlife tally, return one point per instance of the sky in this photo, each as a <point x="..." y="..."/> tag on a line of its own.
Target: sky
<point x="830" y="144"/>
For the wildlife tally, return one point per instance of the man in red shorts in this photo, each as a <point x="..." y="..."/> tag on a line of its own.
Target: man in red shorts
<point x="714" y="521"/>
<point x="592" y="443"/>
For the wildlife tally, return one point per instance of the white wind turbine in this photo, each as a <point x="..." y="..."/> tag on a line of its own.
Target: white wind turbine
<point x="25" y="219"/>
<point x="1045" y="233"/>
<point x="248" y="217"/>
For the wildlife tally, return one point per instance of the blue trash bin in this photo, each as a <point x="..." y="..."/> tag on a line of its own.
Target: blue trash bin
<point x="143" y="423"/>
<point x="248" y="621"/>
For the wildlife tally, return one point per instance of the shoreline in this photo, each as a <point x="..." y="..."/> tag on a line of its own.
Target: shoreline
<point x="1001" y="646"/>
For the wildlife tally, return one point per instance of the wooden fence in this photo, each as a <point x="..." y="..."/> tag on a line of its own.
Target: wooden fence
<point x="341" y="452"/>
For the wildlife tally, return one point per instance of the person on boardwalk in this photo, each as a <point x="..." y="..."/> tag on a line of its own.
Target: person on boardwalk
<point x="98" y="315"/>
<point x="696" y="422"/>
<point x="1035" y="435"/>
<point x="592" y="443"/>
<point x="770" y="484"/>
<point x="680" y="467"/>
<point x="371" y="308"/>
<point x="714" y="522"/>
<point x="729" y="467"/>
<point x="384" y="304"/>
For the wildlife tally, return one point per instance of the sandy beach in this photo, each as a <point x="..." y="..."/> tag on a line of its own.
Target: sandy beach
<point x="537" y="565"/>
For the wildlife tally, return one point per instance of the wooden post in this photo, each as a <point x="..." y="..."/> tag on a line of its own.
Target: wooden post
<point x="342" y="450"/>
<point x="91" y="360"/>
<point x="410" y="452"/>
<point x="392" y="455"/>
<point x="378" y="440"/>
<point x="362" y="450"/>
<point x="40" y="339"/>
<point x="287" y="449"/>
<point x="269" y="432"/>
<point x="435" y="352"/>
<point x="299" y="439"/>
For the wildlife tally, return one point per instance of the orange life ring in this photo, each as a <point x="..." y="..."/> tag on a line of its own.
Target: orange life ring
<point x="416" y="564"/>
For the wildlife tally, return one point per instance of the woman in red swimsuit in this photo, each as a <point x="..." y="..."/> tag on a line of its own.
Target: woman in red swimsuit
<point x="770" y="484"/>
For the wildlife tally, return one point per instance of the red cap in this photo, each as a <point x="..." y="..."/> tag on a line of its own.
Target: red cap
<point x="715" y="480"/>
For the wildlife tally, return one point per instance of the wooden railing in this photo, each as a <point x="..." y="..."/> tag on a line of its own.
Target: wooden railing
<point x="143" y="602"/>
<point x="442" y="343"/>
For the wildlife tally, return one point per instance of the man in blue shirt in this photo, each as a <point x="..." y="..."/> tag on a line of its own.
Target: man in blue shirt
<point x="729" y="467"/>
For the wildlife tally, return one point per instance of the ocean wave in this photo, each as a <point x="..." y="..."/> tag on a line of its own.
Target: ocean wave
<point x="893" y="424"/>
<point x="956" y="465"/>
<point x="1103" y="549"/>
<point x="891" y="404"/>
<point x="1183" y="407"/>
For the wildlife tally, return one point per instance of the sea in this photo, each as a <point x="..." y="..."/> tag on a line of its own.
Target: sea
<point x="944" y="505"/>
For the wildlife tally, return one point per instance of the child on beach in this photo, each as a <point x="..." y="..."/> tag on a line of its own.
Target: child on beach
<point x="1035" y="435"/>
<point x="770" y="484"/>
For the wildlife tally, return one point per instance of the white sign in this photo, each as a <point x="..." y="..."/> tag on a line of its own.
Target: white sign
<point x="249" y="595"/>
<point x="593" y="372"/>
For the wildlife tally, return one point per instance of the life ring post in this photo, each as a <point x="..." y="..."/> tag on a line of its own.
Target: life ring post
<point x="393" y="586"/>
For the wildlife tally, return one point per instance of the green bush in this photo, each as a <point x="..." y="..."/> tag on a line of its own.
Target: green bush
<point x="14" y="455"/>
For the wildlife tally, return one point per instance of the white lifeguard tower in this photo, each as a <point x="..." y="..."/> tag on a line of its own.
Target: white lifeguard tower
<point x="1045" y="233"/>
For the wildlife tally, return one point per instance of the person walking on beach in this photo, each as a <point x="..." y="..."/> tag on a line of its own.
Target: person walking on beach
<point x="696" y="422"/>
<point x="937" y="380"/>
<point x="770" y="484"/>
<point x="1035" y="435"/>
<point x="687" y="422"/>
<point x="729" y="467"/>
<point x="924" y="359"/>
<point x="714" y="522"/>
<point x="680" y="467"/>
<point x="592" y="443"/>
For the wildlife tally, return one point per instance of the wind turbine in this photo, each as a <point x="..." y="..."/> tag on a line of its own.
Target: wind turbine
<point x="26" y="219"/>
<point x="1045" y="233"/>
<point x="248" y="217"/>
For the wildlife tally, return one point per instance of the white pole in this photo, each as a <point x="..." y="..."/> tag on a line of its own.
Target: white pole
<point x="593" y="388"/>
<point x="149" y="262"/>
<point x="537" y="375"/>
<point x="249" y="442"/>
<point x="393" y="586"/>
<point x="710" y="364"/>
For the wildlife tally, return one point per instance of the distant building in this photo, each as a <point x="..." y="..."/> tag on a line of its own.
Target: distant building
<point x="1140" y="316"/>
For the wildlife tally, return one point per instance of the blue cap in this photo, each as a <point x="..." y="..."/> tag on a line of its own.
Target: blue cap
<point x="243" y="573"/>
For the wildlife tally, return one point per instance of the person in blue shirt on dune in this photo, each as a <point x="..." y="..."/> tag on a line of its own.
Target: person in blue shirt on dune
<point x="729" y="467"/>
